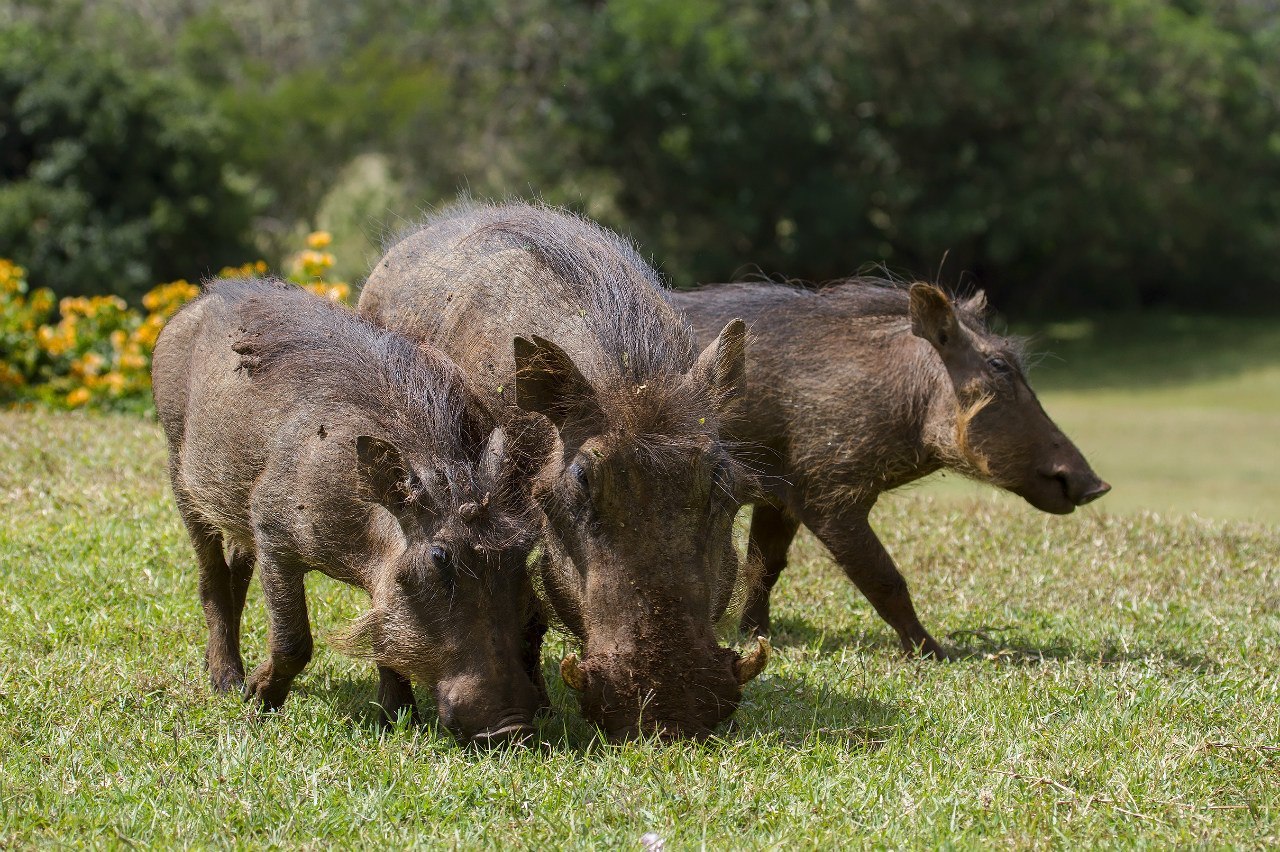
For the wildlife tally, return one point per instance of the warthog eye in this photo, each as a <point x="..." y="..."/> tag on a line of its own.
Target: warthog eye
<point x="998" y="364"/>
<point x="441" y="559"/>
<point x="579" y="474"/>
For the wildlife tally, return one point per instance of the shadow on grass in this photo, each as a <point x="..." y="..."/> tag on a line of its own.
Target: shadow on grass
<point x="788" y="709"/>
<point x="995" y="643"/>
<point x="999" y="644"/>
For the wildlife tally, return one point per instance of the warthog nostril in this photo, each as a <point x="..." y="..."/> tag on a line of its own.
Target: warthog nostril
<point x="1093" y="493"/>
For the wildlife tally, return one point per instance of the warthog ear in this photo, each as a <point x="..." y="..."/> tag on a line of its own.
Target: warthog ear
<point x="384" y="476"/>
<point x="933" y="317"/>
<point x="723" y="364"/>
<point x="977" y="303"/>
<point x="549" y="383"/>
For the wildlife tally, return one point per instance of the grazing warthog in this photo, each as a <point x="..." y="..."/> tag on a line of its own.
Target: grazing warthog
<point x="303" y="436"/>
<point x="640" y="493"/>
<point x="864" y="386"/>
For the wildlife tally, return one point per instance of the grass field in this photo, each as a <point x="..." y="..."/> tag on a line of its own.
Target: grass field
<point x="1121" y="685"/>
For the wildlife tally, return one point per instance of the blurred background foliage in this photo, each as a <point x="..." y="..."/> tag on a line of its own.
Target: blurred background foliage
<point x="1068" y="155"/>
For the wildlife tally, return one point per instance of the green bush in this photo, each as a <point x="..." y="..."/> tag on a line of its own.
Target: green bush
<point x="1068" y="154"/>
<point x="109" y="178"/>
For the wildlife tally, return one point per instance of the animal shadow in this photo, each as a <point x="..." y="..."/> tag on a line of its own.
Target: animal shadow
<point x="995" y="643"/>
<point x="1003" y="644"/>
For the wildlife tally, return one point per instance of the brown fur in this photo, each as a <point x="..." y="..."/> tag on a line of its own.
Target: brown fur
<point x="865" y="386"/>
<point x="306" y="438"/>
<point x="557" y="316"/>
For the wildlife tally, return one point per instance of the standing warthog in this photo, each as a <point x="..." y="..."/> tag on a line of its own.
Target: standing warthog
<point x="864" y="386"/>
<point x="640" y="493"/>
<point x="303" y="436"/>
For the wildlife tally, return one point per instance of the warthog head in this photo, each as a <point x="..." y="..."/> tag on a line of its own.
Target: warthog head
<point x="996" y="430"/>
<point x="642" y="497"/>
<point x="454" y="583"/>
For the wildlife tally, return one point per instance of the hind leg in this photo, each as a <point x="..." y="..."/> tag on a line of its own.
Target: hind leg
<point x="772" y="531"/>
<point x="240" y="565"/>
<point x="217" y="598"/>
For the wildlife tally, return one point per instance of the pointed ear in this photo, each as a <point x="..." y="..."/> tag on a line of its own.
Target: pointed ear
<point x="933" y="317"/>
<point x="549" y="383"/>
<point x="723" y="364"/>
<point x="977" y="303"/>
<point x="384" y="477"/>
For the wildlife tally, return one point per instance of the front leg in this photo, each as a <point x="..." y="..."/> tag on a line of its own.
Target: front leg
<point x="772" y="531"/>
<point x="289" y="632"/>
<point x="395" y="697"/>
<point x="849" y="537"/>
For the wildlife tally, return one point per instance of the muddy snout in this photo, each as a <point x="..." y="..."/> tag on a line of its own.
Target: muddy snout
<point x="476" y="716"/>
<point x="674" y="703"/>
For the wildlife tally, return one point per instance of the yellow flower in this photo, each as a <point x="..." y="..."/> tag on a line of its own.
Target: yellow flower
<point x="10" y="377"/>
<point x="319" y="239"/>
<point x="132" y="361"/>
<point x="78" y="397"/>
<point x="115" y="382"/>
<point x="145" y="335"/>
<point x="338" y="291"/>
<point x="41" y="300"/>
<point x="88" y="365"/>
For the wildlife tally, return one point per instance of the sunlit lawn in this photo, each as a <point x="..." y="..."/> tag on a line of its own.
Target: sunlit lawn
<point x="1122" y="682"/>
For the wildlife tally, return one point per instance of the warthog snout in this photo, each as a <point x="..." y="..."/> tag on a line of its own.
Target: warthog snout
<point x="1078" y="486"/>
<point x="627" y="709"/>
<point x="475" y="716"/>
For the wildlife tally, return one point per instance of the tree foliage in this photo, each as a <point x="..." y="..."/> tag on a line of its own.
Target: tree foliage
<point x="1066" y="155"/>
<point x="112" y="180"/>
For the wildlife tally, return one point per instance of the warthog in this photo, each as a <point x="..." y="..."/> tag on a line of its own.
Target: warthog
<point x="304" y="437"/>
<point x="640" y="493"/>
<point x="864" y="386"/>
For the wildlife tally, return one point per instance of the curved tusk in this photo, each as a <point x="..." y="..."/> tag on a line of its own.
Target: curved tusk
<point x="751" y="664"/>
<point x="574" y="676"/>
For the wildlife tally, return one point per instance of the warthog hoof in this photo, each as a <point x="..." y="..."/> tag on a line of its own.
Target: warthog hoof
<point x="266" y="689"/>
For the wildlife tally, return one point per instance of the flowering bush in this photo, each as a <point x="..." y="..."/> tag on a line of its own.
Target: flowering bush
<point x="98" y="352"/>
<point x="21" y="314"/>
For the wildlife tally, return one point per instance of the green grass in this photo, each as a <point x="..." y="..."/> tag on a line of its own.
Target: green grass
<point x="1123" y="687"/>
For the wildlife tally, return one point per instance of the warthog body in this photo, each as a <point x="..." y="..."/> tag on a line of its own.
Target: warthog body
<point x="865" y="386"/>
<point x="640" y="492"/>
<point x="306" y="438"/>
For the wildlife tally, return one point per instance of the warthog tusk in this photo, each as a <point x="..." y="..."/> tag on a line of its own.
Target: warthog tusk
<point x="751" y="664"/>
<point x="574" y="676"/>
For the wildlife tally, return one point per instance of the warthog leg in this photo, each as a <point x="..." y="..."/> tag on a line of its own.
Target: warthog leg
<point x="288" y="636"/>
<point x="218" y="599"/>
<point x="771" y="533"/>
<point x="849" y="537"/>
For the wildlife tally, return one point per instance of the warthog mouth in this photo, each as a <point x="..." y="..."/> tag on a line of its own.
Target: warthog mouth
<point x="512" y="731"/>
